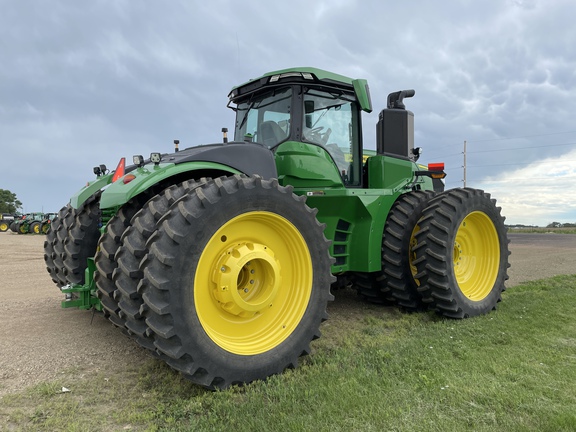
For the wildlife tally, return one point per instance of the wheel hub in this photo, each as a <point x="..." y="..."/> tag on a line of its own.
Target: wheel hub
<point x="247" y="279"/>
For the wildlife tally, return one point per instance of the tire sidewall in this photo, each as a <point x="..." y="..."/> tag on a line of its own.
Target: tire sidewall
<point x="190" y="331"/>
<point x="480" y="204"/>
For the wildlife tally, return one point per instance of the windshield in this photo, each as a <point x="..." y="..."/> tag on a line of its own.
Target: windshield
<point x="331" y="120"/>
<point x="265" y="118"/>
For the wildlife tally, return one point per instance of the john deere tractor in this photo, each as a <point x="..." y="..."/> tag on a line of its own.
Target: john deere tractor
<point x="220" y="258"/>
<point x="29" y="223"/>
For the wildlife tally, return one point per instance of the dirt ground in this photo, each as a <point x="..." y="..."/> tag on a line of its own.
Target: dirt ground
<point x="40" y="341"/>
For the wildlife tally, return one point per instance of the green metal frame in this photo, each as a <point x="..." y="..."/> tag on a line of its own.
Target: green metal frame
<point x="86" y="294"/>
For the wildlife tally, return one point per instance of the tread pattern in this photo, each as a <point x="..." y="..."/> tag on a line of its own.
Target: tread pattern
<point x="54" y="245"/>
<point x="105" y="258"/>
<point x="396" y="248"/>
<point x="50" y="254"/>
<point x="434" y="250"/>
<point x="167" y="320"/>
<point x="394" y="284"/>
<point x="80" y="239"/>
<point x="133" y="249"/>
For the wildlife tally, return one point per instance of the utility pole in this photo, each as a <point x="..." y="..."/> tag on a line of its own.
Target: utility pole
<point x="464" y="180"/>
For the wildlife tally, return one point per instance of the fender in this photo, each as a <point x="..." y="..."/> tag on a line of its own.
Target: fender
<point x="119" y="192"/>
<point x="90" y="189"/>
<point x="234" y="158"/>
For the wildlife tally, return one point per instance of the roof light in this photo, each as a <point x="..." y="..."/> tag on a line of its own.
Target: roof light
<point x="156" y="158"/>
<point x="305" y="75"/>
<point x="119" y="170"/>
<point x="138" y="160"/>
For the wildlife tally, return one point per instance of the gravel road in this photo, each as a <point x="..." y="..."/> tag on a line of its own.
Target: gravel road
<point x="40" y="340"/>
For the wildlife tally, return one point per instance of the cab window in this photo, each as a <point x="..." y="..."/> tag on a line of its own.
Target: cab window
<point x="332" y="121"/>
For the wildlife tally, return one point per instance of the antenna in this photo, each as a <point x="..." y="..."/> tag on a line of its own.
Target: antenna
<point x="464" y="166"/>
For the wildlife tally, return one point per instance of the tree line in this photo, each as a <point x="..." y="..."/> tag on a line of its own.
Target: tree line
<point x="9" y="203"/>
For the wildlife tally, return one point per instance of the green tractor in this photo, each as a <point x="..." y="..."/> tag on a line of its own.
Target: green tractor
<point x="47" y="222"/>
<point x="220" y="258"/>
<point x="29" y="223"/>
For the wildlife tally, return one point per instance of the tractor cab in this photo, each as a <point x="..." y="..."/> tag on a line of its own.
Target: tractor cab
<point x="310" y="119"/>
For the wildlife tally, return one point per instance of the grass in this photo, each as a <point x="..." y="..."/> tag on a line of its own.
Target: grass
<point x="374" y="369"/>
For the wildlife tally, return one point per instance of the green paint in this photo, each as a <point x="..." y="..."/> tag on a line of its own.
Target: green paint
<point x="90" y="189"/>
<point x="119" y="193"/>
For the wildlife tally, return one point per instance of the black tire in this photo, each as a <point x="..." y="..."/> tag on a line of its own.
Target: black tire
<point x="45" y="228"/>
<point x="265" y="326"/>
<point x="34" y="227"/>
<point x="52" y="252"/>
<point x="372" y="287"/>
<point x="127" y="276"/>
<point x="462" y="253"/>
<point x="395" y="284"/>
<point x="397" y="249"/>
<point x="14" y="227"/>
<point x="105" y="257"/>
<point x="54" y="245"/>
<point x="81" y="239"/>
<point x="23" y="228"/>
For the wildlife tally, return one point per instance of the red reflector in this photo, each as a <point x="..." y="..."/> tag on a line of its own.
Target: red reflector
<point x="119" y="170"/>
<point x="128" y="178"/>
<point x="436" y="166"/>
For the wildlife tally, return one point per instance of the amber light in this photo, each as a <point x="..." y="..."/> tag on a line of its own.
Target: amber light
<point x="128" y="178"/>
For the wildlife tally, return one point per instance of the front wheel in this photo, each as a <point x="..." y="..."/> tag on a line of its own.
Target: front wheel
<point x="34" y="227"/>
<point x="236" y="281"/>
<point x="462" y="253"/>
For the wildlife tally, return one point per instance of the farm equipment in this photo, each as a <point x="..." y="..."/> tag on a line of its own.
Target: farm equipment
<point x="47" y="222"/>
<point x="6" y="219"/>
<point x="220" y="258"/>
<point x="28" y="223"/>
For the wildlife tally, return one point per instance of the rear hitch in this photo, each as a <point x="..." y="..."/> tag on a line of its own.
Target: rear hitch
<point x="82" y="296"/>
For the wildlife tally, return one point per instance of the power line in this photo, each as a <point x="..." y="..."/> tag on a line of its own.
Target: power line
<point x="521" y="136"/>
<point x="521" y="163"/>
<point x="498" y="150"/>
<point x="522" y="148"/>
<point x="523" y="179"/>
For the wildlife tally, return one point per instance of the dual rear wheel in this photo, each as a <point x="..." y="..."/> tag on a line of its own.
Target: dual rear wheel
<point x="447" y="252"/>
<point x="227" y="280"/>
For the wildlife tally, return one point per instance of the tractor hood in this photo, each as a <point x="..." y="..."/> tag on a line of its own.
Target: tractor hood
<point x="246" y="157"/>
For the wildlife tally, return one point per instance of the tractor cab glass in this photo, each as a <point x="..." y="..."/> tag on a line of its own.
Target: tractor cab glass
<point x="265" y="118"/>
<point x="327" y="119"/>
<point x="332" y="121"/>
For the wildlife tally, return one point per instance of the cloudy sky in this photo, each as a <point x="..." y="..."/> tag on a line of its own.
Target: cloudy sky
<point x="85" y="83"/>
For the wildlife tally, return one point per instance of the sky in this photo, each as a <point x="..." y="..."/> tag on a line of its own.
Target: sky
<point x="85" y="83"/>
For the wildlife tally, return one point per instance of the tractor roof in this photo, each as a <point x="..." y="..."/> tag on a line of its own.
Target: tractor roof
<point x="306" y="75"/>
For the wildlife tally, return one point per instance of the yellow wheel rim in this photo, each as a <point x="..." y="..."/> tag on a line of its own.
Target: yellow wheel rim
<point x="253" y="283"/>
<point x="476" y="256"/>
<point x="3" y="226"/>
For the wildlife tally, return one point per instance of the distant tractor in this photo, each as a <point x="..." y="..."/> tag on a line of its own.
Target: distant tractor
<point x="47" y="222"/>
<point x="220" y="258"/>
<point x="28" y="223"/>
<point x="6" y="219"/>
